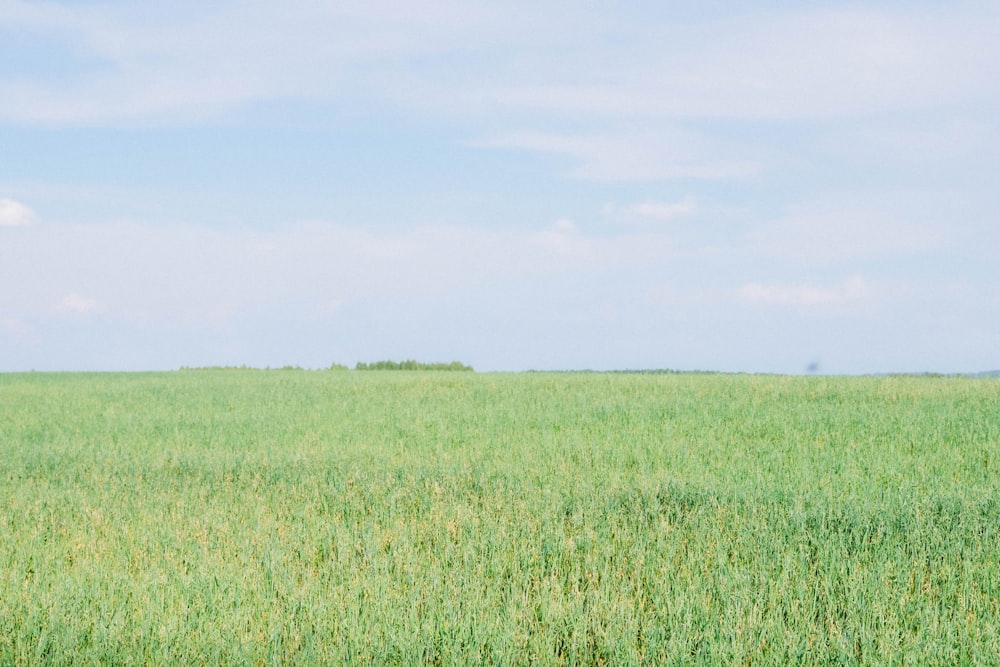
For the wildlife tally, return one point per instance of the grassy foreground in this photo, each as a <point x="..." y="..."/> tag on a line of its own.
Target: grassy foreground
<point x="240" y="517"/>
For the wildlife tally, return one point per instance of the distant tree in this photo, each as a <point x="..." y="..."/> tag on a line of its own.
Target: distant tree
<point x="411" y="365"/>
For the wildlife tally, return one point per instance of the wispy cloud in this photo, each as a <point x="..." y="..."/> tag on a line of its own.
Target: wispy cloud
<point x="797" y="65"/>
<point x="193" y="61"/>
<point x="206" y="59"/>
<point x="651" y="211"/>
<point x="75" y="304"/>
<point x="17" y="329"/>
<point x="668" y="154"/>
<point x="845" y="234"/>
<point x="925" y="142"/>
<point x="198" y="276"/>
<point x="15" y="214"/>
<point x="564" y="239"/>
<point x="804" y="294"/>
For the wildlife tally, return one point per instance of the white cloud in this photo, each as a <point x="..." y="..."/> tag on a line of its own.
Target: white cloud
<point x="192" y="61"/>
<point x="75" y="304"/>
<point x="804" y="294"/>
<point x="196" y="61"/>
<point x="15" y="214"/>
<point x="655" y="211"/>
<point x="663" y="211"/>
<point x="564" y="239"/>
<point x="811" y="234"/>
<point x="352" y="294"/>
<point x="792" y="65"/>
<point x="203" y="277"/>
<point x="665" y="155"/>
<point x="17" y="329"/>
<point x="926" y="142"/>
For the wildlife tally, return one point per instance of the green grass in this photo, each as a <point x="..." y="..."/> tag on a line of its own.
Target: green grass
<point x="235" y="517"/>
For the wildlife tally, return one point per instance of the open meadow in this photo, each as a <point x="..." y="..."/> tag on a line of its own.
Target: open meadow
<point x="267" y="517"/>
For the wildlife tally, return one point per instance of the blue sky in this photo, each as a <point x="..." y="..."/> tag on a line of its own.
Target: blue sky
<point x="755" y="186"/>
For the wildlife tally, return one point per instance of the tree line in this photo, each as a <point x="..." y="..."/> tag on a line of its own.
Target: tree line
<point x="411" y="365"/>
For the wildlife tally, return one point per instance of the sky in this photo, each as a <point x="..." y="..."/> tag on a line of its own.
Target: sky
<point x="766" y="186"/>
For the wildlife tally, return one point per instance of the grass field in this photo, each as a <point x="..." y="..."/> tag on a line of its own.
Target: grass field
<point x="251" y="517"/>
